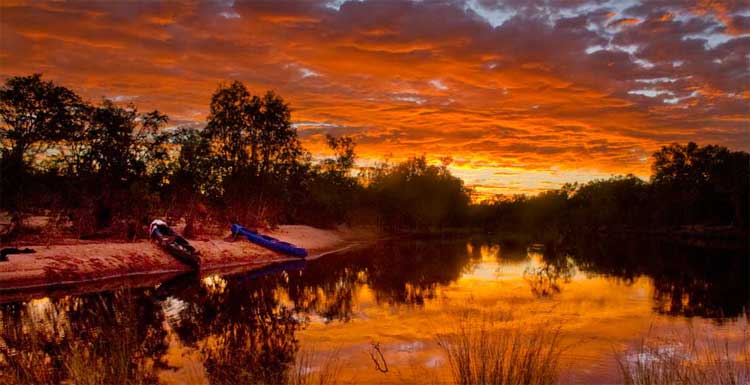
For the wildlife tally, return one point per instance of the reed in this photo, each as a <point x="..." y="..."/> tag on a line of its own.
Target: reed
<point x="484" y="355"/>
<point x="691" y="360"/>
<point x="315" y="368"/>
<point x="26" y="347"/>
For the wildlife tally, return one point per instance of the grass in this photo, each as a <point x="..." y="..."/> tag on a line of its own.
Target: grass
<point x="23" y="357"/>
<point x="484" y="355"/>
<point x="707" y="360"/>
<point x="111" y="364"/>
<point x="325" y="373"/>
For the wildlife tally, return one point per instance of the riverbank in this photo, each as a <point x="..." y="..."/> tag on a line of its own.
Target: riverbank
<point x="73" y="263"/>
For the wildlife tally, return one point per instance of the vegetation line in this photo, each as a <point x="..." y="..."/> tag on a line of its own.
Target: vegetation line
<point x="107" y="170"/>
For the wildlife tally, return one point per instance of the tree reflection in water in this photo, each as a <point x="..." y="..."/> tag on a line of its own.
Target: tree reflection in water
<point x="410" y="272"/>
<point x="688" y="280"/>
<point x="243" y="332"/>
<point x="549" y="271"/>
<point x="112" y="337"/>
<point x="398" y="273"/>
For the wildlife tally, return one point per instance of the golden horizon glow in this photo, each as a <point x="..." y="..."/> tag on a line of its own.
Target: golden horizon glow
<point x="522" y="98"/>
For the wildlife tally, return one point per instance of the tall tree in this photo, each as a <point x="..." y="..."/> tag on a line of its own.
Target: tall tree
<point x="34" y="112"/>
<point x="121" y="143"/>
<point x="711" y="180"/>
<point x="343" y="148"/>
<point x="122" y="157"/>
<point x="279" y="145"/>
<point x="232" y="126"/>
<point x="417" y="195"/>
<point x="253" y="135"/>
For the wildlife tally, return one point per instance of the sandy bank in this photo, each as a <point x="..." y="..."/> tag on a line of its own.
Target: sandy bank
<point x="106" y="263"/>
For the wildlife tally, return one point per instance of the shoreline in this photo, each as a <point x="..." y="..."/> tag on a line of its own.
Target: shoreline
<point x="96" y="266"/>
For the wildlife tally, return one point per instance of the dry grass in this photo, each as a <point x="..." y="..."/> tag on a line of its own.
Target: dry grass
<point x="24" y="358"/>
<point x="88" y="365"/>
<point x="484" y="355"/>
<point x="315" y="368"/>
<point x="691" y="360"/>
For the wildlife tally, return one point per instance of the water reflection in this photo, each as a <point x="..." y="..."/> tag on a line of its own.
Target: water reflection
<point x="549" y="272"/>
<point x="240" y="327"/>
<point x="688" y="280"/>
<point x="399" y="273"/>
<point x="244" y="328"/>
<point x="115" y="337"/>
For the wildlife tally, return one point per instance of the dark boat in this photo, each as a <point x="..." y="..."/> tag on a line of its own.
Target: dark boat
<point x="269" y="242"/>
<point x="174" y="244"/>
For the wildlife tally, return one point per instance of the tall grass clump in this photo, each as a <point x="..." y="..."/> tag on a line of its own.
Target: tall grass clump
<point x="707" y="360"/>
<point x="27" y="348"/>
<point x="315" y="368"/>
<point x="483" y="355"/>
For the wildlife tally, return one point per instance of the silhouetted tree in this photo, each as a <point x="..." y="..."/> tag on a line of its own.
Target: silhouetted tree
<point x="343" y="148"/>
<point x="34" y="114"/>
<point x="233" y="126"/>
<point x="329" y="193"/>
<point x="414" y="195"/>
<point x="615" y="201"/>
<point x="119" y="152"/>
<point x="257" y="147"/>
<point x="122" y="144"/>
<point x="193" y="175"/>
<point x="194" y="167"/>
<point x="252" y="134"/>
<point x="706" y="184"/>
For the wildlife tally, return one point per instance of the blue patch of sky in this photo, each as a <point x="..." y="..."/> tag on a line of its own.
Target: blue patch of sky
<point x="712" y="39"/>
<point x="676" y="100"/>
<point x="494" y="17"/>
<point x="336" y="4"/>
<point x="657" y="80"/>
<point x="631" y="49"/>
<point x="650" y="92"/>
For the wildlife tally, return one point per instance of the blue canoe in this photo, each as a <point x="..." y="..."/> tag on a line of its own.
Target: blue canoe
<point x="269" y="242"/>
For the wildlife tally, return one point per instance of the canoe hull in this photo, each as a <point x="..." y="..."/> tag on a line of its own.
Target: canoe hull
<point x="269" y="242"/>
<point x="177" y="246"/>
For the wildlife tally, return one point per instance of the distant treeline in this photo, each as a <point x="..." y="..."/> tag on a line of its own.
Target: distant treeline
<point x="697" y="186"/>
<point x="106" y="167"/>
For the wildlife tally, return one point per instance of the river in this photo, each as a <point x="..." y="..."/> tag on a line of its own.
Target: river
<point x="375" y="315"/>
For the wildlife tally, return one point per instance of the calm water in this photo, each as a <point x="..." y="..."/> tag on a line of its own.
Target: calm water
<point x="604" y="296"/>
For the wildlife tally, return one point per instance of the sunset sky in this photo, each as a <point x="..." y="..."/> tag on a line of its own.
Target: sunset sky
<point x="522" y="95"/>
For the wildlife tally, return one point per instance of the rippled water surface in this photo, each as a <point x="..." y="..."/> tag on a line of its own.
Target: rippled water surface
<point x="373" y="315"/>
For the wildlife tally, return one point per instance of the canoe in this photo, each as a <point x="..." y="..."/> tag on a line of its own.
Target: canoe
<point x="269" y="242"/>
<point x="174" y="244"/>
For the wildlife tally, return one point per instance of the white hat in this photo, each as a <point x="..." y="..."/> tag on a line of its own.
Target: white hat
<point x="155" y="223"/>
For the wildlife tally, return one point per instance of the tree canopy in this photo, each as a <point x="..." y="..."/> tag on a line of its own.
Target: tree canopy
<point x="252" y="134"/>
<point x="34" y="111"/>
